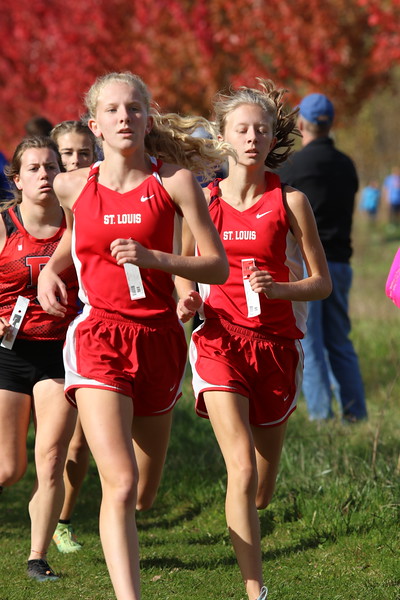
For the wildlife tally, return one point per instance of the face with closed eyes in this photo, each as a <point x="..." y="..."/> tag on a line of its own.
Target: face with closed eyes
<point x="249" y="129"/>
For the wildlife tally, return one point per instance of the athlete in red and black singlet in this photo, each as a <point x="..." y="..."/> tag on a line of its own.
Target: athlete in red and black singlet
<point x="261" y="232"/>
<point x="21" y="260"/>
<point x="146" y="214"/>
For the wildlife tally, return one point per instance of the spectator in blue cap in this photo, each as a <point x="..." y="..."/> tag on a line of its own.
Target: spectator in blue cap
<point x="317" y="109"/>
<point x="329" y="180"/>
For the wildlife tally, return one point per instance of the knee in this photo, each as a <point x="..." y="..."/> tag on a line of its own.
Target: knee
<point x="243" y="476"/>
<point x="11" y="473"/>
<point x="124" y="495"/>
<point x="121" y="490"/>
<point x="263" y="502"/>
<point x="50" y="463"/>
<point x="78" y="450"/>
<point x="264" y="496"/>
<point x="145" y="500"/>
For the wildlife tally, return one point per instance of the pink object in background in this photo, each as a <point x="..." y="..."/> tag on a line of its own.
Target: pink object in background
<point x="393" y="281"/>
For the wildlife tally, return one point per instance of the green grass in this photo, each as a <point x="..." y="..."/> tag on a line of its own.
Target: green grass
<point x="332" y="530"/>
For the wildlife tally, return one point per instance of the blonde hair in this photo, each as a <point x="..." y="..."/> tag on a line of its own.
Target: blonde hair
<point x="172" y="136"/>
<point x="74" y="127"/>
<point x="14" y="167"/>
<point x="270" y="99"/>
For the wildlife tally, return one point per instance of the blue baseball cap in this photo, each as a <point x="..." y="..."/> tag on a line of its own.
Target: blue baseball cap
<point x="317" y="109"/>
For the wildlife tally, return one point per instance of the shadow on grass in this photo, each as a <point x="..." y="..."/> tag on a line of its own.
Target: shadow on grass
<point x="313" y="541"/>
<point x="165" y="563"/>
<point x="149" y="521"/>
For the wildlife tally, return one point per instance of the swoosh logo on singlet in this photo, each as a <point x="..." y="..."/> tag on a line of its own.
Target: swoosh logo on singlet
<point x="259" y="215"/>
<point x="145" y="198"/>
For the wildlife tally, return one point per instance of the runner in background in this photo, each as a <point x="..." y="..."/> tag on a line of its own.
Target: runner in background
<point x="32" y="369"/>
<point x="77" y="147"/>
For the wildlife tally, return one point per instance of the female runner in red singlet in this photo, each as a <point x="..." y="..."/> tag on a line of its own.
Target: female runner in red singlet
<point x="31" y="368"/>
<point x="125" y="355"/>
<point x="77" y="147"/>
<point x="246" y="357"/>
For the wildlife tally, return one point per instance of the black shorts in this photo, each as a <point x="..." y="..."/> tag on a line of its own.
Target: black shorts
<point x="29" y="362"/>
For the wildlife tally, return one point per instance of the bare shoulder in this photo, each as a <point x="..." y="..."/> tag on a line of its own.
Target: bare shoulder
<point x="172" y="172"/>
<point x="293" y="197"/>
<point x="299" y="211"/>
<point x="176" y="179"/>
<point x="69" y="185"/>
<point x="168" y="169"/>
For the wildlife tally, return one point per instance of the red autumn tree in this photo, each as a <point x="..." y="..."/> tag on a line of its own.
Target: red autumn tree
<point x="186" y="50"/>
<point x="383" y="19"/>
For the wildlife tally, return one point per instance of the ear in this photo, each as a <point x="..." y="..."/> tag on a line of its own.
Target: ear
<point x="17" y="181"/>
<point x="150" y="123"/>
<point x="94" y="128"/>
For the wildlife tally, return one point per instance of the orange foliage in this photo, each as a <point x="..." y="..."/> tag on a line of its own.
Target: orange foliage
<point x="187" y="50"/>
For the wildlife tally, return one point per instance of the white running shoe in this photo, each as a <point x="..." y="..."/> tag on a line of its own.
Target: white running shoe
<point x="263" y="593"/>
